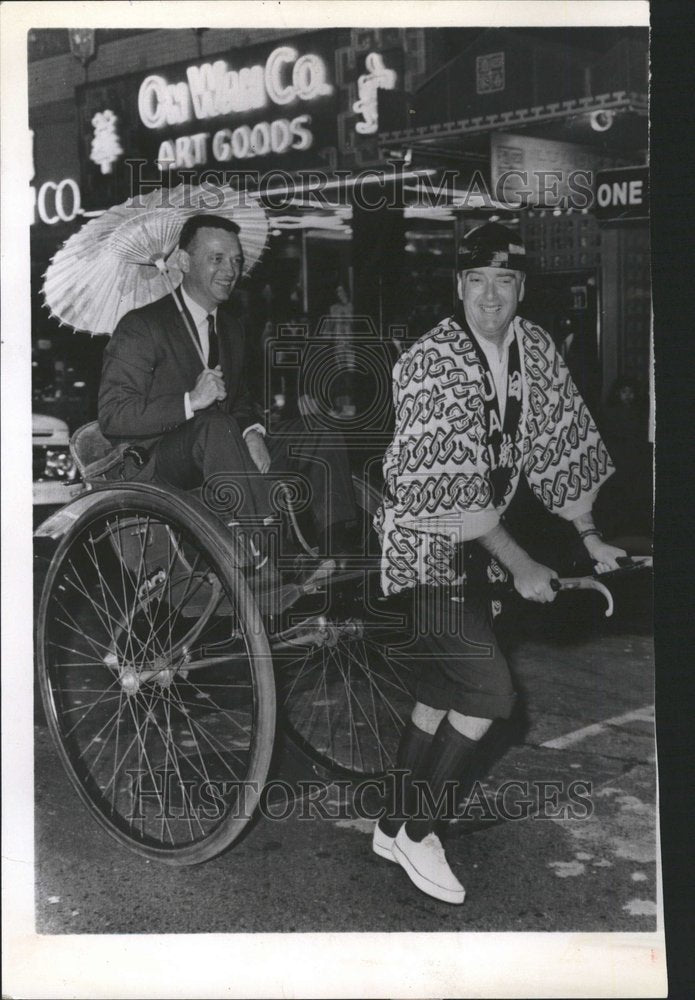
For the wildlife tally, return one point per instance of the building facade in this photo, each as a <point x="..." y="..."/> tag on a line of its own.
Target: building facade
<point x="372" y="150"/>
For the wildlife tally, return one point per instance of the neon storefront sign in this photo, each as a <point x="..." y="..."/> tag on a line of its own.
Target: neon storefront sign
<point x="213" y="89"/>
<point x="58" y="202"/>
<point x="241" y="143"/>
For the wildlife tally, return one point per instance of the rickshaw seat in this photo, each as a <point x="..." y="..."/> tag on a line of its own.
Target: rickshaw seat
<point x="94" y="455"/>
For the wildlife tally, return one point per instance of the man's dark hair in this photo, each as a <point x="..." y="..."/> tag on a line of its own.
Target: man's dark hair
<point x="196" y="222"/>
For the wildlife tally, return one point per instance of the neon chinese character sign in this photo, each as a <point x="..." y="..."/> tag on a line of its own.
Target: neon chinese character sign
<point x="377" y="77"/>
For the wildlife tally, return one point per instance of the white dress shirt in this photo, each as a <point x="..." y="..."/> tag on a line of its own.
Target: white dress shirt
<point x="498" y="360"/>
<point x="200" y="321"/>
<point x="474" y="524"/>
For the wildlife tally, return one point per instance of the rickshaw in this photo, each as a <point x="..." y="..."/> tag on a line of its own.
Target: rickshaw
<point x="163" y="675"/>
<point x="164" y="678"/>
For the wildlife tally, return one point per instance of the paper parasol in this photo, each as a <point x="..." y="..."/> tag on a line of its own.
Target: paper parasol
<point x="116" y="262"/>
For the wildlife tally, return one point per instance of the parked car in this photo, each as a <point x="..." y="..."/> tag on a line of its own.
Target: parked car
<point x="54" y="473"/>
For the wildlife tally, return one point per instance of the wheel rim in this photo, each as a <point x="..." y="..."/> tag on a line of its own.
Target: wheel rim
<point x="149" y="681"/>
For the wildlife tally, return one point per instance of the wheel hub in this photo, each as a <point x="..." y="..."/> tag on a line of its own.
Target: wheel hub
<point x="352" y="628"/>
<point x="162" y="672"/>
<point x="165" y="677"/>
<point x="319" y="632"/>
<point x="130" y="682"/>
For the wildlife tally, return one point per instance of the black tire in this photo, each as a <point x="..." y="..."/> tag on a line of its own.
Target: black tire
<point x="155" y="674"/>
<point x="345" y="700"/>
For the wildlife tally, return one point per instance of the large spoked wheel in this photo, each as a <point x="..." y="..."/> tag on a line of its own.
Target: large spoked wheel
<point x="156" y="675"/>
<point x="345" y="690"/>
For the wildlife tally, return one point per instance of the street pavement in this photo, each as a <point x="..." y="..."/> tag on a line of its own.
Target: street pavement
<point x="585" y="716"/>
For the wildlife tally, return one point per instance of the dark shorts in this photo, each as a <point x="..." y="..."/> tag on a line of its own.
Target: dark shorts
<point x="458" y="662"/>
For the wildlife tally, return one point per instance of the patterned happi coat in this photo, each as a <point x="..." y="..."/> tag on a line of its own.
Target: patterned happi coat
<point x="438" y="490"/>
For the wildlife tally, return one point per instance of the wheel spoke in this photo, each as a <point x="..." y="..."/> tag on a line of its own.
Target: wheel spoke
<point x="115" y="538"/>
<point x="137" y="604"/>
<point x="209" y="611"/>
<point x="73" y="626"/>
<point x="167" y="575"/>
<point x="110" y="724"/>
<point x="301" y="672"/>
<point x="80" y="706"/>
<point x="99" y="609"/>
<point x="187" y="594"/>
<point x="103" y="582"/>
<point x="115" y="749"/>
<point x="89" y="710"/>
<point x="210" y="702"/>
<point x="326" y="702"/>
<point x="171" y="754"/>
<point x="369" y="674"/>
<point x="117" y="764"/>
<point x="78" y="652"/>
<point x="352" y="726"/>
<point x="364" y="700"/>
<point x="389" y="661"/>
<point x="311" y="699"/>
<point x="373" y="730"/>
<point x="143" y="756"/>
<point x="211" y="741"/>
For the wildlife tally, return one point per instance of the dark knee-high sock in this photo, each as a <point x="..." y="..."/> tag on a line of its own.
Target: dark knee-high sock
<point x="412" y="749"/>
<point x="448" y="755"/>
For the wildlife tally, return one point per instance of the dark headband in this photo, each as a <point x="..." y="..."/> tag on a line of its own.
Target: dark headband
<point x="491" y="245"/>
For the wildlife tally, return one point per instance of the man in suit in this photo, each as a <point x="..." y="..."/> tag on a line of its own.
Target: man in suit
<point x="188" y="421"/>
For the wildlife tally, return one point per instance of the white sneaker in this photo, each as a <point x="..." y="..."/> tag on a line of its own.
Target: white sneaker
<point x="426" y="866"/>
<point x="382" y="844"/>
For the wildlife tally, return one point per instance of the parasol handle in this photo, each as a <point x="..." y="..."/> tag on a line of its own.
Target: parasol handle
<point x="161" y="266"/>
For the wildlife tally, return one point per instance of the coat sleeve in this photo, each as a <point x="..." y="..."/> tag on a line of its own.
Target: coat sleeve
<point x="129" y="404"/>
<point x="565" y="461"/>
<point x="437" y="471"/>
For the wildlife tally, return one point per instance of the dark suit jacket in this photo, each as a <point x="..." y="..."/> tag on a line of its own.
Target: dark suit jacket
<point x="150" y="362"/>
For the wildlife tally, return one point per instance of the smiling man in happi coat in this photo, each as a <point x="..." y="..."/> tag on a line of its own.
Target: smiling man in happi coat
<point x="480" y="400"/>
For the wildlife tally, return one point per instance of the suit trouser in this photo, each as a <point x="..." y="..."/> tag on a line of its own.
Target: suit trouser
<point x="209" y="451"/>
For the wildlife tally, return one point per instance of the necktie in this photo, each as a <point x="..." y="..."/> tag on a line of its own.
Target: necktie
<point x="213" y="352"/>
